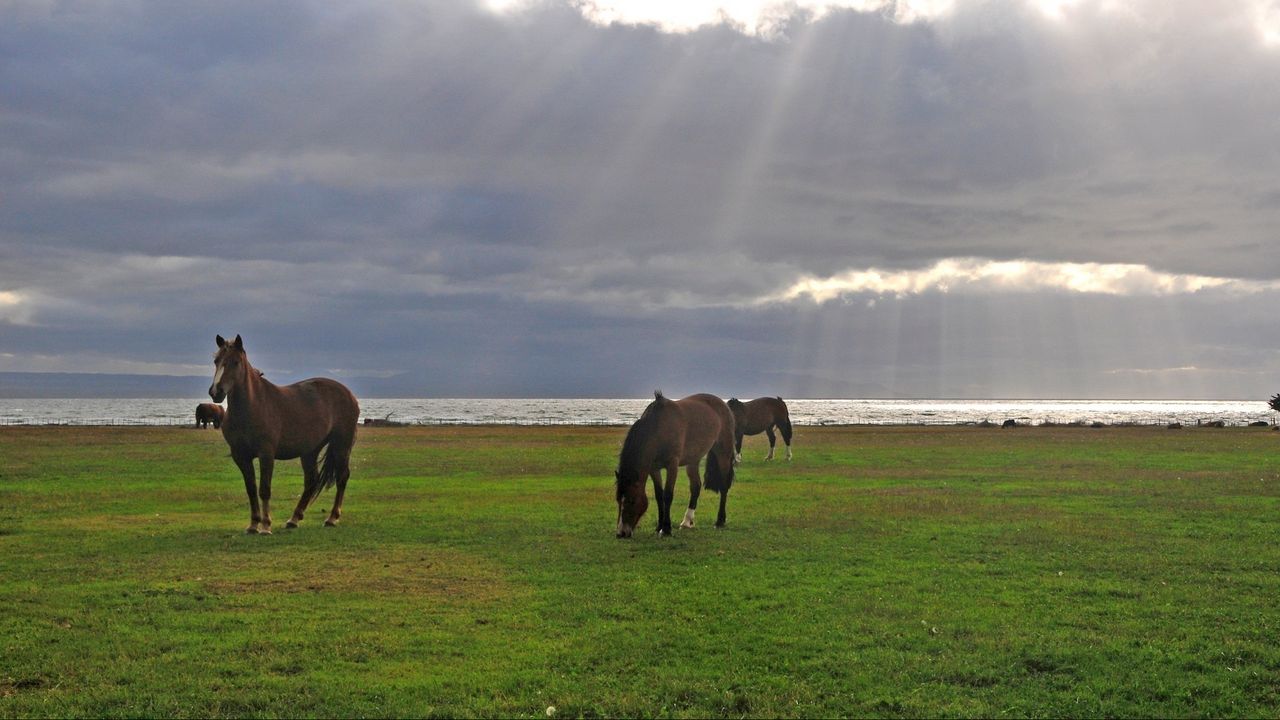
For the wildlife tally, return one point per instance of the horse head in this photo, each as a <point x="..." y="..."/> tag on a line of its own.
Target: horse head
<point x="632" y="500"/>
<point x="229" y="365"/>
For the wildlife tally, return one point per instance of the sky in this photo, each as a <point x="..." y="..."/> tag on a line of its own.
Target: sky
<point x="505" y="198"/>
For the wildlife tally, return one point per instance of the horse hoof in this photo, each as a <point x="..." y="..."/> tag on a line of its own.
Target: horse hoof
<point x="291" y="525"/>
<point x="330" y="523"/>
<point x="251" y="530"/>
<point x="265" y="531"/>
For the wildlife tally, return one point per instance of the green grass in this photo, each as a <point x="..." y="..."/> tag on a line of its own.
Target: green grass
<point x="884" y="572"/>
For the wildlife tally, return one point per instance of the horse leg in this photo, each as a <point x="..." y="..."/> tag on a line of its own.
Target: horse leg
<point x="720" y="519"/>
<point x="772" y="439"/>
<point x="656" y="477"/>
<point x="250" y="487"/>
<point x="695" y="489"/>
<point x="308" y="489"/>
<point x="344" y="474"/>
<point x="785" y="428"/>
<point x="737" y="448"/>
<point x="668" y="495"/>
<point x="266" y="464"/>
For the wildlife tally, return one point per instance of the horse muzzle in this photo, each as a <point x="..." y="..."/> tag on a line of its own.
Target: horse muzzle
<point x="216" y="394"/>
<point x="624" y="531"/>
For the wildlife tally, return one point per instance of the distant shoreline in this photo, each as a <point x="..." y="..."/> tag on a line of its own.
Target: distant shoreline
<point x="622" y="412"/>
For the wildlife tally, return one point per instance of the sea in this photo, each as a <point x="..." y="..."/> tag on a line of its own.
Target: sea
<point x="567" y="411"/>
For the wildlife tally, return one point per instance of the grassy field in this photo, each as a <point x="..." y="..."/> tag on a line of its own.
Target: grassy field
<point x="884" y="572"/>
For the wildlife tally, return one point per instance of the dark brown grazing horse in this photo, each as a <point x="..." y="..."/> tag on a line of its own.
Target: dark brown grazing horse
<point x="269" y="422"/>
<point x="757" y="416"/>
<point x="208" y="413"/>
<point x="671" y="434"/>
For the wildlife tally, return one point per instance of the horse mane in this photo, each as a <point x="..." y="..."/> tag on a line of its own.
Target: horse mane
<point x="639" y="432"/>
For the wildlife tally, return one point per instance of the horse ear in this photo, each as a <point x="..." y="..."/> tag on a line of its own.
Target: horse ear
<point x="239" y="345"/>
<point x="220" y="340"/>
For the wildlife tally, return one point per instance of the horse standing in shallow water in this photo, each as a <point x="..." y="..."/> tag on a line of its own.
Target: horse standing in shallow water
<point x="671" y="434"/>
<point x="270" y="422"/>
<point x="208" y="413"/>
<point x="757" y="416"/>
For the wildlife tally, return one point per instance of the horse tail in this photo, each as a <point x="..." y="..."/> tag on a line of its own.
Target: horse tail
<point x="716" y="479"/>
<point x="333" y="466"/>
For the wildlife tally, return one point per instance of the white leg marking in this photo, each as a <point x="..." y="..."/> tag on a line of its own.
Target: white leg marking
<point x="788" y="453"/>
<point x="770" y="455"/>
<point x="688" y="518"/>
<point x="737" y="458"/>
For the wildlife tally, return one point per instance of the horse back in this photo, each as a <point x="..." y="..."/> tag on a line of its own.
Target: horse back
<point x="762" y="413"/>
<point x="297" y="419"/>
<point x="320" y="404"/>
<point x="707" y="421"/>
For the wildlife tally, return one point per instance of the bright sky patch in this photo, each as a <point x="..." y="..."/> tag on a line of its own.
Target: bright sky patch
<point x="752" y="15"/>
<point x="979" y="275"/>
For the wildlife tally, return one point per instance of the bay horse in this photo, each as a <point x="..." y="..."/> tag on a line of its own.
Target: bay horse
<point x="757" y="416"/>
<point x="671" y="434"/>
<point x="271" y="422"/>
<point x="208" y="413"/>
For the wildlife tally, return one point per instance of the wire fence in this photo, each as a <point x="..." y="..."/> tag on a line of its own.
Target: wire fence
<point x="370" y="422"/>
<point x="17" y="421"/>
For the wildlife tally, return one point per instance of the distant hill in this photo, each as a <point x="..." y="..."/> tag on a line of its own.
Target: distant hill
<point x="34" y="385"/>
<point x="100" y="385"/>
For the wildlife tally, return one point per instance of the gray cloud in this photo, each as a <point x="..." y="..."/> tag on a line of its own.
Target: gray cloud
<point x="533" y="203"/>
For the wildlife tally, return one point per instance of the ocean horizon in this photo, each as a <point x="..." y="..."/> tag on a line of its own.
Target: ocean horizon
<point x="624" y="411"/>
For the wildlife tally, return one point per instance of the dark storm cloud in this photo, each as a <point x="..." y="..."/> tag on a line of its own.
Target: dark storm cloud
<point x="494" y="202"/>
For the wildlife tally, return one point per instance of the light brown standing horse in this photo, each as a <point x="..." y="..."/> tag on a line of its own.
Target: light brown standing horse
<point x="270" y="422"/>
<point x="209" y="413"/>
<point x="671" y="434"/>
<point x="757" y="416"/>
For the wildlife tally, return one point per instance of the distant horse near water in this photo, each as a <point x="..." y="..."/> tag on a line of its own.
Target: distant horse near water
<point x="208" y="413"/>
<point x="757" y="416"/>
<point x="671" y="434"/>
<point x="271" y="422"/>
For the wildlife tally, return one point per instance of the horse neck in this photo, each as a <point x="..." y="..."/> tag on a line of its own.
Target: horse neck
<point x="253" y="391"/>
<point x="638" y="451"/>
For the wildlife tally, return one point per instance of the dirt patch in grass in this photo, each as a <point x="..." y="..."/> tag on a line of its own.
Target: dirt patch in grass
<point x="10" y="686"/>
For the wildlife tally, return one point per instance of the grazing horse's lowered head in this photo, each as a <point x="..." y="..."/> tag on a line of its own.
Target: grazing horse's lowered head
<point x="633" y="501"/>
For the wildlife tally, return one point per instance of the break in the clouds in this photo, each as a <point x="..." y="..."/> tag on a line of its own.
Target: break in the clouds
<point x="1009" y="197"/>
<point x="1015" y="276"/>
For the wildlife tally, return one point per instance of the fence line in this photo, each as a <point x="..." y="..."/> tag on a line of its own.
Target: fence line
<point x="184" y="421"/>
<point x="187" y="422"/>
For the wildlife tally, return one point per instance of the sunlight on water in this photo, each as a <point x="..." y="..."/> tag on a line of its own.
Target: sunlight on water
<point x="625" y="411"/>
